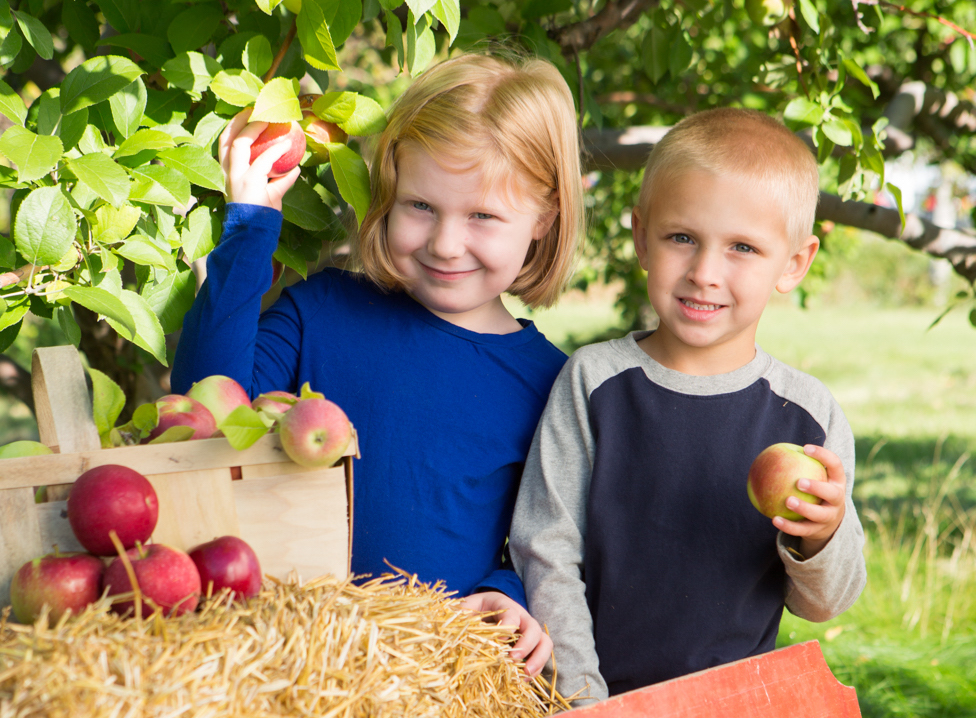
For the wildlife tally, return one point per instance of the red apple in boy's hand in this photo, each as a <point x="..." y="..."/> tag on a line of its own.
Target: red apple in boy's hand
<point x="220" y="394"/>
<point x="228" y="562"/>
<point x="274" y="133"/>
<point x="773" y="476"/>
<point x="112" y="497"/>
<point x="166" y="576"/>
<point x="179" y="410"/>
<point x="315" y="432"/>
<point x="62" y="581"/>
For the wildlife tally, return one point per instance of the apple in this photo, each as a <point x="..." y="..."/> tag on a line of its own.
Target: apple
<point x="179" y="410"/>
<point x="228" y="562"/>
<point x="318" y="134"/>
<point x="773" y="476"/>
<point x="767" y="12"/>
<point x="166" y="576"/>
<point x="315" y="432"/>
<point x="277" y="402"/>
<point x="275" y="133"/>
<point x="220" y="394"/>
<point x="111" y="497"/>
<point x="17" y="449"/>
<point x="61" y="581"/>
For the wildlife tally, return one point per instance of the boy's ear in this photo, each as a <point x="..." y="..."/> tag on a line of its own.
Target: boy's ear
<point x="639" y="231"/>
<point x="798" y="265"/>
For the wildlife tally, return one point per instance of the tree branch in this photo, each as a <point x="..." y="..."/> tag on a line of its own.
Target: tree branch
<point x="15" y="381"/>
<point x="616" y="14"/>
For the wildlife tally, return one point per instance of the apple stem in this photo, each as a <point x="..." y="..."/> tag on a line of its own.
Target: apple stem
<point x="281" y="52"/>
<point x="130" y="572"/>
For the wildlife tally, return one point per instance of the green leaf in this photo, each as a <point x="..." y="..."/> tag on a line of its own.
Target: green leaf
<point x="34" y="155"/>
<point x="194" y="27"/>
<point x="856" y="71"/>
<point x="244" y="426"/>
<point x="810" y="14"/>
<point x="872" y="159"/>
<point x="160" y="185"/>
<point x="200" y="233"/>
<point x="314" y="35"/>
<point x="128" y="105"/>
<point x="802" y="111"/>
<point x="148" y="333"/>
<point x="108" y="400"/>
<point x="268" y="6"/>
<point x="11" y="106"/>
<point x="896" y="193"/>
<point x="14" y="315"/>
<point x="419" y="7"/>
<point x="345" y="15"/>
<point x="45" y="226"/>
<point x="81" y="23"/>
<point x="449" y="14"/>
<point x="420" y="44"/>
<point x="123" y="15"/>
<point x="36" y="34"/>
<point x="208" y="129"/>
<point x="103" y="303"/>
<point x="292" y="258"/>
<point x="91" y="140"/>
<point x="680" y="55"/>
<point x="197" y="164"/>
<point x="534" y="9"/>
<point x="838" y="132"/>
<point x="146" y="417"/>
<point x="10" y="48"/>
<point x="394" y="36"/>
<point x="154" y="50"/>
<point x="113" y="225"/>
<point x="8" y="256"/>
<point x="367" y="119"/>
<point x="335" y="106"/>
<point x="303" y="206"/>
<point x="69" y="325"/>
<point x="257" y="56"/>
<point x="103" y="175"/>
<point x="9" y="335"/>
<point x="655" y="53"/>
<point x="352" y="177"/>
<point x="145" y="140"/>
<point x="95" y="80"/>
<point x="171" y="298"/>
<point x="166" y="107"/>
<point x="236" y="87"/>
<point x="142" y="250"/>
<point x="191" y="71"/>
<point x="175" y="434"/>
<point x="277" y="102"/>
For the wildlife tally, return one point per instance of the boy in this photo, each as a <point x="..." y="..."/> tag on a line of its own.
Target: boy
<point x="633" y="531"/>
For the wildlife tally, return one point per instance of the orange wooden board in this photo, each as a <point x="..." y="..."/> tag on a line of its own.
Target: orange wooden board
<point x="788" y="683"/>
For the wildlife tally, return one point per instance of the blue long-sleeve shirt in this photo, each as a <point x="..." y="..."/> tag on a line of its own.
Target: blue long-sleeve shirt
<point x="445" y="416"/>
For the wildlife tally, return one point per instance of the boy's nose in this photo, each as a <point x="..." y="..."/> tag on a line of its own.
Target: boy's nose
<point x="446" y="241"/>
<point x="705" y="269"/>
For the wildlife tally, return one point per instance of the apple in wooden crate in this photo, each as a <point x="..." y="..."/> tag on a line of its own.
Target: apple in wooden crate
<point x="61" y="581"/>
<point x="178" y="410"/>
<point x="228" y="562"/>
<point x="112" y="497"/>
<point x="277" y="402"/>
<point x="166" y="576"/>
<point x="220" y="394"/>
<point x="315" y="432"/>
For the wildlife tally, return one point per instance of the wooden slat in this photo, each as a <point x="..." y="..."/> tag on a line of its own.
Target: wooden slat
<point x="147" y="460"/>
<point x="295" y="520"/>
<point x="20" y="539"/>
<point x="61" y="401"/>
<point x="788" y="683"/>
<point x="52" y="518"/>
<point x="194" y="507"/>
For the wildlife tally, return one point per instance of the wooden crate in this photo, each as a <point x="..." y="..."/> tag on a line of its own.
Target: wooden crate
<point x="294" y="518"/>
<point x="789" y="683"/>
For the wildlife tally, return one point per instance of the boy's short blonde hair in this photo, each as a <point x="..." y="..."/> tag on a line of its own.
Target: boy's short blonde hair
<point x="744" y="142"/>
<point x="515" y="120"/>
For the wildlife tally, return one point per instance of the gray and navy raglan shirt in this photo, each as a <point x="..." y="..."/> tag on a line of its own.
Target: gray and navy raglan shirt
<point x="633" y="532"/>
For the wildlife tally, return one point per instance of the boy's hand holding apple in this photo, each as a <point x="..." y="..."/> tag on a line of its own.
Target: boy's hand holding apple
<point x="251" y="183"/>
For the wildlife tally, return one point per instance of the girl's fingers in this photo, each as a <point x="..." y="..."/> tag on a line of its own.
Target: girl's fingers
<point x="230" y="132"/>
<point x="239" y="156"/>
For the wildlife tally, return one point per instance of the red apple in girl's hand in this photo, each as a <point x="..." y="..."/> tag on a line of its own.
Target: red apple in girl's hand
<point x="61" y="581"/>
<point x="167" y="577"/>
<point x="228" y="562"/>
<point x="315" y="432"/>
<point x="275" y="133"/>
<point x="112" y="497"/>
<point x="179" y="410"/>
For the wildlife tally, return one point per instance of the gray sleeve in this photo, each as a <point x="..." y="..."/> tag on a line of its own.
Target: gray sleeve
<point x="549" y="530"/>
<point x="827" y="584"/>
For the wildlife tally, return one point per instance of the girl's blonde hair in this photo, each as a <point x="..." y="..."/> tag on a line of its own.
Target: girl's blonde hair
<point x="515" y="120"/>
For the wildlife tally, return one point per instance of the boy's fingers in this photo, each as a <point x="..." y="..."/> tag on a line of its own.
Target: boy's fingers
<point x="830" y="460"/>
<point x="831" y="493"/>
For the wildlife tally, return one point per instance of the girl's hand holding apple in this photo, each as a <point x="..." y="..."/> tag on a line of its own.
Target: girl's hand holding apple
<point x="250" y="183"/>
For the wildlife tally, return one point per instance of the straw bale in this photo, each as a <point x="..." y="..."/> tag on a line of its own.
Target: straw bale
<point x="328" y="648"/>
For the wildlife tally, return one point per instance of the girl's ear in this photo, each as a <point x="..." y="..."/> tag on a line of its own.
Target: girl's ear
<point x="545" y="222"/>
<point x="798" y="265"/>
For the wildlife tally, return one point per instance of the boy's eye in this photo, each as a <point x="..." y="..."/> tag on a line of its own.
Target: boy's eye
<point x="682" y="238"/>
<point x="743" y="248"/>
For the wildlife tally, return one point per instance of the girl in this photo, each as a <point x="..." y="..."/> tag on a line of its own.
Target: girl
<point x="476" y="191"/>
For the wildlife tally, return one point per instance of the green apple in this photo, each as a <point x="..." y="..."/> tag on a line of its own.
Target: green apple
<point x="16" y="449"/>
<point x="773" y="476"/>
<point x="767" y="12"/>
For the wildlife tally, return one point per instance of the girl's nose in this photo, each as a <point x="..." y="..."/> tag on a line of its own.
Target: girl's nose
<point x="446" y="240"/>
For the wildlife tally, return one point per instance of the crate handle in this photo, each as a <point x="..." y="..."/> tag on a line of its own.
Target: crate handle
<point x="61" y="401"/>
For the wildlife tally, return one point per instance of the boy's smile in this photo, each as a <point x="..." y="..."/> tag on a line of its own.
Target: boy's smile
<point x="714" y="247"/>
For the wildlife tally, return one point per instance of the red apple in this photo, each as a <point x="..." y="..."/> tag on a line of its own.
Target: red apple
<point x="773" y="476"/>
<point x="228" y="562"/>
<point x="275" y="133"/>
<point x="179" y="410"/>
<point x="318" y="134"/>
<point x="220" y="394"/>
<point x="112" y="497"/>
<point x="62" y="581"/>
<point x="277" y="401"/>
<point x="166" y="576"/>
<point x="315" y="432"/>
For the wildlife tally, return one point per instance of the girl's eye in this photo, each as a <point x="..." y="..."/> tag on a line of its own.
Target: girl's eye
<point x="422" y="206"/>
<point x="483" y="215"/>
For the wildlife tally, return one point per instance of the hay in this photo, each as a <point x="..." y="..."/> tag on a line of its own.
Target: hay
<point x="329" y="648"/>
